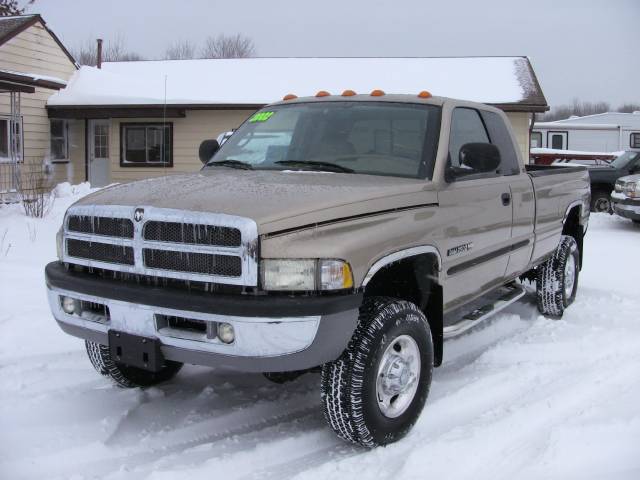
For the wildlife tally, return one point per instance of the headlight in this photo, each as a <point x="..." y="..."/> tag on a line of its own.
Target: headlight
<point x="59" y="239"/>
<point x="631" y="189"/>
<point x="306" y="275"/>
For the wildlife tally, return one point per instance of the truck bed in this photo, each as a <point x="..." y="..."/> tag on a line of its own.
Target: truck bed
<point x="543" y="170"/>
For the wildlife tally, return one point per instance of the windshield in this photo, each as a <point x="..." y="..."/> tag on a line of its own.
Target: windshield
<point x="623" y="160"/>
<point x="375" y="138"/>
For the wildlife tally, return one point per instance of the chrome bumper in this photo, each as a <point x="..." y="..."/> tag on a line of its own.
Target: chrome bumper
<point x="262" y="344"/>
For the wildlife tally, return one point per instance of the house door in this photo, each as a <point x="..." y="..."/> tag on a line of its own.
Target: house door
<point x="557" y="140"/>
<point x="99" y="171"/>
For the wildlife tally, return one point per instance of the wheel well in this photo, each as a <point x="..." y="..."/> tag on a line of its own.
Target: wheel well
<point x="414" y="279"/>
<point x="572" y="228"/>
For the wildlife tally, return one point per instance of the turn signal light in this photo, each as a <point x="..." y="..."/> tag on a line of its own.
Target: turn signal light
<point x="348" y="93"/>
<point x="289" y="96"/>
<point x="424" y="94"/>
<point x="377" y="93"/>
<point x="322" y="93"/>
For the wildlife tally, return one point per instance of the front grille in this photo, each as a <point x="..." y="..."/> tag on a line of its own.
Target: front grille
<point x="192" y="233"/>
<point x="203" y="263"/>
<point x="112" y="227"/>
<point x="101" y="252"/>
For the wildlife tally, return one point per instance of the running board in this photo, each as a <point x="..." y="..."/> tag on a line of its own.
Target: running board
<point x="515" y="292"/>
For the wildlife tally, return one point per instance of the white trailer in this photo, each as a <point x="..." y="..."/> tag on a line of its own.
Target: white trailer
<point x="604" y="132"/>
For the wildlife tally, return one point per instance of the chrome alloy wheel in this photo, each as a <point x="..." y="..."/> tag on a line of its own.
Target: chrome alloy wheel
<point x="569" y="275"/>
<point x="398" y="375"/>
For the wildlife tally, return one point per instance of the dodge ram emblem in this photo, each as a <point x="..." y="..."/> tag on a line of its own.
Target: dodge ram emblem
<point x="138" y="214"/>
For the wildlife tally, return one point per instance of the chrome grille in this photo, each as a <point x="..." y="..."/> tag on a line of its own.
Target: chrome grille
<point x="190" y="233"/>
<point x="102" y="252"/>
<point x="112" y="227"/>
<point x="164" y="243"/>
<point x="224" y="265"/>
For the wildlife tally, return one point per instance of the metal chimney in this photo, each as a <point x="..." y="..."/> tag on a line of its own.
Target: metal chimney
<point x="99" y="55"/>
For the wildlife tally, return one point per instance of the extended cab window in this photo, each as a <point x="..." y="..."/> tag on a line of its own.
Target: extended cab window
<point x="374" y="138"/>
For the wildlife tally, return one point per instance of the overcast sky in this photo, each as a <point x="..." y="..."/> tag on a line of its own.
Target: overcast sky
<point x="579" y="48"/>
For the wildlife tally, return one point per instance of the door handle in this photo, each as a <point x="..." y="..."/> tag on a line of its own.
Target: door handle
<point x="506" y="199"/>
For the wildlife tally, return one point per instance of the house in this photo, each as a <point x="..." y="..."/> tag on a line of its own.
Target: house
<point x="602" y="132"/>
<point x="34" y="64"/>
<point x="133" y="120"/>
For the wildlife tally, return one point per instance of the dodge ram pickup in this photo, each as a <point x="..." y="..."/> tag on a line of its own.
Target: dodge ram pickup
<point x="351" y="234"/>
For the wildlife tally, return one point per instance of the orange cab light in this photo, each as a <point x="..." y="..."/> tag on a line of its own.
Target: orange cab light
<point x="424" y="94"/>
<point x="289" y="96"/>
<point x="377" y="93"/>
<point x="322" y="93"/>
<point x="348" y="93"/>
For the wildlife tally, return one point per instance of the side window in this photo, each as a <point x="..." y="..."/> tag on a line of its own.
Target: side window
<point x="536" y="139"/>
<point x="635" y="140"/>
<point x="466" y="127"/>
<point x="502" y="139"/>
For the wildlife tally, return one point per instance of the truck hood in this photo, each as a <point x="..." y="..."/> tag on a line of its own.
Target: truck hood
<point x="275" y="200"/>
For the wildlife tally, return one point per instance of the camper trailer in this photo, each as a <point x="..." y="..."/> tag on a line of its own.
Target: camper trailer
<point x="603" y="132"/>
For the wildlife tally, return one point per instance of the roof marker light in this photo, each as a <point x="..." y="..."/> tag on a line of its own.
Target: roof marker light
<point x="377" y="93"/>
<point x="348" y="93"/>
<point x="289" y="96"/>
<point x="425" y="94"/>
<point x="322" y="93"/>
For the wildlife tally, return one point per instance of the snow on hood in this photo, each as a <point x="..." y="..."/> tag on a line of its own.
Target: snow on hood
<point x="259" y="81"/>
<point x="275" y="200"/>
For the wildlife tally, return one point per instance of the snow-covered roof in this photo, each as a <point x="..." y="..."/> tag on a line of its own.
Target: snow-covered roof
<point x="508" y="81"/>
<point x="10" y="80"/>
<point x="609" y="118"/>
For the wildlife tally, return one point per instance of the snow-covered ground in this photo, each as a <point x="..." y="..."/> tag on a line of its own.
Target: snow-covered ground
<point x="520" y="397"/>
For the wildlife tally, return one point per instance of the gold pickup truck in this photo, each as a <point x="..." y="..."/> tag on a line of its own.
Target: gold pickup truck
<point x="351" y="234"/>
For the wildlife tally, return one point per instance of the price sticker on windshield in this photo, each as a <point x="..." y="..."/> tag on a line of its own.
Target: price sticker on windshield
<point x="261" y="117"/>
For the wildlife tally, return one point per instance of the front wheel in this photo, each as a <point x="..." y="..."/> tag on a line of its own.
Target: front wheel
<point x="374" y="393"/>
<point x="601" y="203"/>
<point x="557" y="279"/>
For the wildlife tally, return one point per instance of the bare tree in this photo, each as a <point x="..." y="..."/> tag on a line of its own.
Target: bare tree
<point x="629" y="107"/>
<point x="228" y="46"/>
<point x="180" y="50"/>
<point x="11" y="7"/>
<point x="115" y="51"/>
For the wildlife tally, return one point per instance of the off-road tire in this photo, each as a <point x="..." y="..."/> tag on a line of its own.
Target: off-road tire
<point x="124" y="375"/>
<point x="550" y="282"/>
<point x="601" y="202"/>
<point x="348" y="385"/>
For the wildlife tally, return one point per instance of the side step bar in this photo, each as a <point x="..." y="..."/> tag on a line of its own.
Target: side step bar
<point x="514" y="293"/>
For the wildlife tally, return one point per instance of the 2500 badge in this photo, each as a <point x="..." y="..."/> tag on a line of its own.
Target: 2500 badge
<point x="459" y="249"/>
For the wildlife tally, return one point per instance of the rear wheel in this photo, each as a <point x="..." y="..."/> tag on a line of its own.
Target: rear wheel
<point x="601" y="202"/>
<point x="557" y="279"/>
<point x="124" y="375"/>
<point x="374" y="393"/>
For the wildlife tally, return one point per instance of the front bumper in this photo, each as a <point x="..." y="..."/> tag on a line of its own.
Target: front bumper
<point x="626" y="207"/>
<point x="273" y="333"/>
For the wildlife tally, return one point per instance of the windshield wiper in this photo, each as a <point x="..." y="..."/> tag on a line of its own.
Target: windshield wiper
<point x="318" y="165"/>
<point x="232" y="164"/>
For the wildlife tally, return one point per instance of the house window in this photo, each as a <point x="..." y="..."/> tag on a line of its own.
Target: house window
<point x="101" y="140"/>
<point x="6" y="139"/>
<point x="635" y="140"/>
<point x="59" y="134"/>
<point x="146" y="144"/>
<point x="536" y="139"/>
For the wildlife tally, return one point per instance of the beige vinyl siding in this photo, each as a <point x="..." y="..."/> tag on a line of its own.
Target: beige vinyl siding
<point x="520" y="122"/>
<point x="34" y="51"/>
<point x="188" y="133"/>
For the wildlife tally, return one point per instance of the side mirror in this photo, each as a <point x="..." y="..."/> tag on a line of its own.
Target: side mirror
<point x="207" y="149"/>
<point x="479" y="157"/>
<point x="635" y="169"/>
